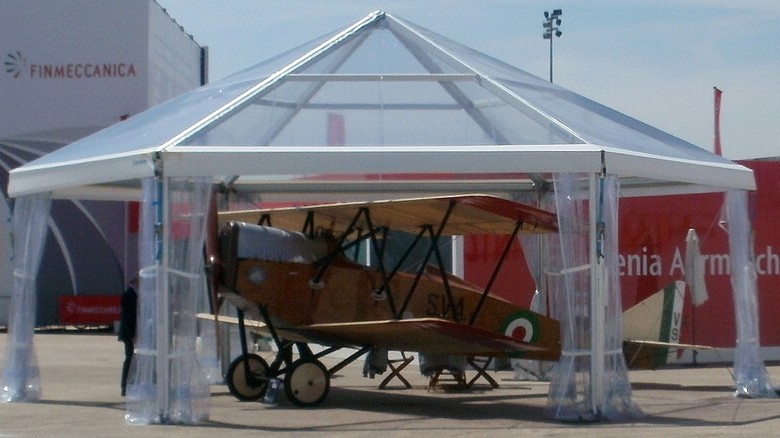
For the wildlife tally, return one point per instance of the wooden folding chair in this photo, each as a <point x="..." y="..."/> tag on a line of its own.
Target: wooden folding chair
<point x="480" y="365"/>
<point x="396" y="366"/>
<point x="456" y="378"/>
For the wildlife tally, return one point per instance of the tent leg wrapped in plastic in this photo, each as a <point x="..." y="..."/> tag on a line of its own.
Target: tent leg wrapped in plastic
<point x="21" y="379"/>
<point x="590" y="381"/>
<point x="167" y="382"/>
<point x="750" y="375"/>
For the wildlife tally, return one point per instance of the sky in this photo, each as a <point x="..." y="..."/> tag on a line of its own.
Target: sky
<point x="654" y="60"/>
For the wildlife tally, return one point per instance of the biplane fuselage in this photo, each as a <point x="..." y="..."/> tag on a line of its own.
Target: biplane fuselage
<point x="347" y="294"/>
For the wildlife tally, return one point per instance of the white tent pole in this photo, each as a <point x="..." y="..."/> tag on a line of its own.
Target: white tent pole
<point x="596" y="301"/>
<point x="163" y="312"/>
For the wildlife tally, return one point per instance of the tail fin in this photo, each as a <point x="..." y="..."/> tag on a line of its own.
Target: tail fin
<point x="655" y="320"/>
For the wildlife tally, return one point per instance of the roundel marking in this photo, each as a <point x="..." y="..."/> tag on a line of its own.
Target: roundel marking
<point x="520" y="328"/>
<point x="522" y="325"/>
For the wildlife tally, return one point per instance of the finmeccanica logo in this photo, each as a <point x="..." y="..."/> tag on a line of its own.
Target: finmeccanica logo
<point x="14" y="64"/>
<point x="17" y="66"/>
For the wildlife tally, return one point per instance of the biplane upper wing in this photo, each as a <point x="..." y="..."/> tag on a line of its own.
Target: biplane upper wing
<point x="465" y="215"/>
<point x="427" y="335"/>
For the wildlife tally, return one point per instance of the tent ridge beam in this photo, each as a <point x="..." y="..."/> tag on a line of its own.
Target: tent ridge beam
<point x="426" y="77"/>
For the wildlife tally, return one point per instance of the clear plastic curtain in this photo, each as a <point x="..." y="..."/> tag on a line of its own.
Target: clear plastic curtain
<point x="571" y="396"/>
<point x="534" y="248"/>
<point x="167" y="382"/>
<point x="208" y="354"/>
<point x="21" y="378"/>
<point x="750" y="374"/>
<point x="569" y="288"/>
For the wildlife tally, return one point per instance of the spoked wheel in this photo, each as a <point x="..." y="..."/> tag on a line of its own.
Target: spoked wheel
<point x="248" y="386"/>
<point x="306" y="383"/>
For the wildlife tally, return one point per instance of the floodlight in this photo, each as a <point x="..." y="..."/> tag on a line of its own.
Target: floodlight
<point x="551" y="23"/>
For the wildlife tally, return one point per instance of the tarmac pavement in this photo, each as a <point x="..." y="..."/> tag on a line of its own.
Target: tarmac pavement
<point x="80" y="397"/>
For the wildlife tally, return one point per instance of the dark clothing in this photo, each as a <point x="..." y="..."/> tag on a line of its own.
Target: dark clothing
<point x="127" y="322"/>
<point x="126" y="364"/>
<point x="127" y="329"/>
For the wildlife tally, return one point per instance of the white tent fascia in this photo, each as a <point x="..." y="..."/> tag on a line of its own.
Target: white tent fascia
<point x="299" y="166"/>
<point x="692" y="176"/>
<point x="85" y="179"/>
<point x="314" y="160"/>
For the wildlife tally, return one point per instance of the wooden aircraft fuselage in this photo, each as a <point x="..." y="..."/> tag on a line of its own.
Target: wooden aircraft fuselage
<point x="347" y="295"/>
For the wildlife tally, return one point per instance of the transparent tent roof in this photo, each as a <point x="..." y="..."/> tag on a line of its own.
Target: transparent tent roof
<point x="383" y="87"/>
<point x="382" y="84"/>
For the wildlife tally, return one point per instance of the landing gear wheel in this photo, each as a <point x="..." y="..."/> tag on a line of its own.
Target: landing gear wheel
<point x="306" y="383"/>
<point x="248" y="386"/>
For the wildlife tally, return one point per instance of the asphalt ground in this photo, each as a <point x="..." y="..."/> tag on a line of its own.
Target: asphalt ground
<point x="81" y="398"/>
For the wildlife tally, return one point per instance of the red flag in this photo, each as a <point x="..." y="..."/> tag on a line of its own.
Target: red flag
<point x="717" y="121"/>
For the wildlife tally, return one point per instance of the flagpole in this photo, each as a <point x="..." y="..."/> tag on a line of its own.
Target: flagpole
<point x="718" y="93"/>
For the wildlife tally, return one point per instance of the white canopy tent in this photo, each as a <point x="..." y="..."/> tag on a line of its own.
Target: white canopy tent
<point x="384" y="109"/>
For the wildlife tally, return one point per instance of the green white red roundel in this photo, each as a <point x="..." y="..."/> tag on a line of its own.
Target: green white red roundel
<point x="523" y="325"/>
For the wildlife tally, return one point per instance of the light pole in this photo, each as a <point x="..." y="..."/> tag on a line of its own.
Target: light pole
<point x="551" y="23"/>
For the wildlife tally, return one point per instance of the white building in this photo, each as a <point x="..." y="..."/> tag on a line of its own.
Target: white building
<point x="72" y="67"/>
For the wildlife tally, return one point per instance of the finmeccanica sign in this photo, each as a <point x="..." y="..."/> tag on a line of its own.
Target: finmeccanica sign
<point x="79" y="71"/>
<point x="17" y="66"/>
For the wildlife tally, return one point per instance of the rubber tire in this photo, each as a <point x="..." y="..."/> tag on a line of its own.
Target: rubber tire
<point x="306" y="383"/>
<point x="237" y="382"/>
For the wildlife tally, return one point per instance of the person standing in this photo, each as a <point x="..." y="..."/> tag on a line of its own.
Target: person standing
<point x="127" y="327"/>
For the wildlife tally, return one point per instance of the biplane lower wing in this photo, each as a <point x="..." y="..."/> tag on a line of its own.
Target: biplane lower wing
<point x="252" y="325"/>
<point x="654" y="354"/>
<point x="658" y="344"/>
<point x="426" y="335"/>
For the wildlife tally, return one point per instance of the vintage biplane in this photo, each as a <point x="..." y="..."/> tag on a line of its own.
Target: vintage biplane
<point x="292" y="272"/>
<point x="294" y="269"/>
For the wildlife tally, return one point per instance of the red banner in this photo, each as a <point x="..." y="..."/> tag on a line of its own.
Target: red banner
<point x="652" y="255"/>
<point x="89" y="309"/>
